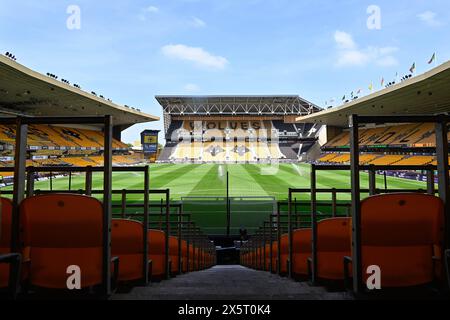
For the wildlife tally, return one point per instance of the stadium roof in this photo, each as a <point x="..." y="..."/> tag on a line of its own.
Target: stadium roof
<point x="236" y="105"/>
<point x="29" y="93"/>
<point x="425" y="94"/>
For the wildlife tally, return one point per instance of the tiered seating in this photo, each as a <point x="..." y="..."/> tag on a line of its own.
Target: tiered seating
<point x="78" y="162"/>
<point x="416" y="160"/>
<point x="401" y="233"/>
<point x="262" y="150"/>
<point x="387" y="160"/>
<point x="378" y="159"/>
<point x="411" y="135"/>
<point x="343" y="158"/>
<point x="367" y="158"/>
<point x="56" y="136"/>
<point x="327" y="157"/>
<point x="50" y="243"/>
<point x="72" y="161"/>
<point x="125" y="160"/>
<point x="222" y="141"/>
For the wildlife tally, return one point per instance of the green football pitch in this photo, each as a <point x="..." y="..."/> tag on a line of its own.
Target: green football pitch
<point x="253" y="188"/>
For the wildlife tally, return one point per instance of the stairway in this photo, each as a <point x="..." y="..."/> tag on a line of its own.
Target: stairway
<point x="230" y="283"/>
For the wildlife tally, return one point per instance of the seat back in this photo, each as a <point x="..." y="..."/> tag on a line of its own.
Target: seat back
<point x="173" y="252"/>
<point x="274" y="255"/>
<point x="157" y="252"/>
<point x="401" y="233"/>
<point x="184" y="254"/>
<point x="333" y="244"/>
<point x="284" y="252"/>
<point x="62" y="230"/>
<point x="127" y="238"/>
<point x="5" y="237"/>
<point x="301" y="251"/>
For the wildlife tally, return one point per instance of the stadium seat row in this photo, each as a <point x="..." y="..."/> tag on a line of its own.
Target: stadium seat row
<point x="55" y="136"/>
<point x="60" y="233"/>
<point x="410" y="135"/>
<point x="401" y="233"/>
<point x="379" y="159"/>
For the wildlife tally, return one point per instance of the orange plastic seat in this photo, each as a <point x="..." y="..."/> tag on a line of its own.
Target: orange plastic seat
<point x="267" y="256"/>
<point x="58" y="231"/>
<point x="192" y="257"/>
<point x="197" y="259"/>
<point x="301" y="251"/>
<point x="127" y="244"/>
<point x="184" y="254"/>
<point x="274" y="255"/>
<point x="284" y="253"/>
<point x="333" y="244"/>
<point x="402" y="233"/>
<point x="157" y="252"/>
<point x="173" y="253"/>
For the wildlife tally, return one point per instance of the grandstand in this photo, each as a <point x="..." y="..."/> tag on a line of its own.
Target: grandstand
<point x="327" y="231"/>
<point x="24" y="92"/>
<point x="385" y="143"/>
<point x="49" y="127"/>
<point x="236" y="129"/>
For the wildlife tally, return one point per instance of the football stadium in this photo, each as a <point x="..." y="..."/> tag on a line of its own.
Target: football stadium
<point x="247" y="197"/>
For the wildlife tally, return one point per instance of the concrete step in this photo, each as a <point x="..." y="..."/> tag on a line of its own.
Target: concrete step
<point x="230" y="283"/>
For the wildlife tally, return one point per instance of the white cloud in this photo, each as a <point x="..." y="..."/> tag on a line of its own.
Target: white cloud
<point x="191" y="87"/>
<point x="349" y="54"/>
<point x="198" y="23"/>
<point x="344" y="40"/>
<point x="151" y="9"/>
<point x="429" y="17"/>
<point x="199" y="56"/>
<point x="147" y="11"/>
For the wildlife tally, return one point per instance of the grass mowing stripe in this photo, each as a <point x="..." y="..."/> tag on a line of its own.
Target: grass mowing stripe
<point x="244" y="183"/>
<point x="267" y="182"/>
<point x="210" y="184"/>
<point x="165" y="179"/>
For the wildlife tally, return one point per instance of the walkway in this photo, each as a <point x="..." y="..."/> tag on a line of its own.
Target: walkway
<point x="229" y="283"/>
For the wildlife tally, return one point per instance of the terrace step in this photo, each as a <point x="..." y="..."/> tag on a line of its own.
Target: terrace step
<point x="230" y="282"/>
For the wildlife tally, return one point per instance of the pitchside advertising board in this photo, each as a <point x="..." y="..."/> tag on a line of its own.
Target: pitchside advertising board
<point x="149" y="140"/>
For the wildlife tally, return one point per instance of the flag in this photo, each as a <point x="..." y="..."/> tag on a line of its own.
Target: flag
<point x="343" y="98"/>
<point x="382" y="81"/>
<point x="371" y="86"/>
<point x="413" y="68"/>
<point x="433" y="58"/>
<point x="359" y="91"/>
<point x="352" y="94"/>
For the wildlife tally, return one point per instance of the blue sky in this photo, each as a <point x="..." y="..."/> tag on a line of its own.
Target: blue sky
<point x="131" y="51"/>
